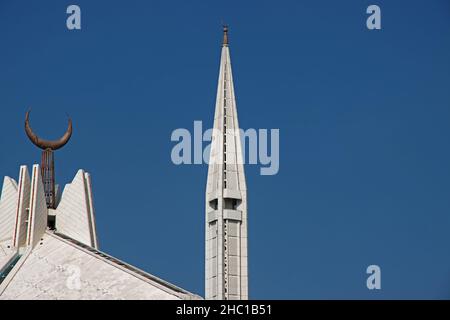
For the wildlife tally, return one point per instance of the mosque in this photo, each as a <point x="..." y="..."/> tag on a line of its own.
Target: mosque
<point x="49" y="243"/>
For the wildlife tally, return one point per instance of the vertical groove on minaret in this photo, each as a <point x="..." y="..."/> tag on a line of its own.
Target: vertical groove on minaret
<point x="224" y="177"/>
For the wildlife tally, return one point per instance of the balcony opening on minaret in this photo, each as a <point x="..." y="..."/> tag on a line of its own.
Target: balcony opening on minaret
<point x="213" y="204"/>
<point x="230" y="203"/>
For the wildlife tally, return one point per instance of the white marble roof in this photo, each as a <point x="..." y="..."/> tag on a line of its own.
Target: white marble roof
<point x="59" y="267"/>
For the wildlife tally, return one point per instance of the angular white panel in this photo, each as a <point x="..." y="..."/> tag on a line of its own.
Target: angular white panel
<point x="22" y="209"/>
<point x="75" y="212"/>
<point x="90" y="200"/>
<point x="8" y="208"/>
<point x="38" y="208"/>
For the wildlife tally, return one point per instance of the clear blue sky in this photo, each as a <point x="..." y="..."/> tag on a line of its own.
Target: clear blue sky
<point x="364" y="127"/>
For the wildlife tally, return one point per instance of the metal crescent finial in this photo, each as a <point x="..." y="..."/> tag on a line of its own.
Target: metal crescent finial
<point x="47" y="144"/>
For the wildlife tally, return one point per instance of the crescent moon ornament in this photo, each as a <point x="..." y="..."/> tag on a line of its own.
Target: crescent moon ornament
<point x="47" y="144"/>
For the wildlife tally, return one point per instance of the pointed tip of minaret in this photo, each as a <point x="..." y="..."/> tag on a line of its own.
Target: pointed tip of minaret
<point x="225" y="35"/>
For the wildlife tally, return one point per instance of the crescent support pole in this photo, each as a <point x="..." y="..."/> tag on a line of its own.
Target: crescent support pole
<point x="48" y="177"/>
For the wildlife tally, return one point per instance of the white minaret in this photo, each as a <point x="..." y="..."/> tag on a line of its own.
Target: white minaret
<point x="226" y="268"/>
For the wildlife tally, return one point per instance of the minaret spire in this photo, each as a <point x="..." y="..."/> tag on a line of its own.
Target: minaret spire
<point x="226" y="274"/>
